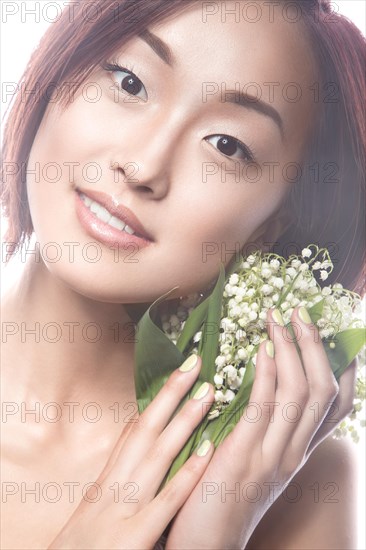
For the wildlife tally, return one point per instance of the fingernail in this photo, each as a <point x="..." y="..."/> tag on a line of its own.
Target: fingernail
<point x="304" y="315"/>
<point x="202" y="390"/>
<point x="189" y="363"/>
<point x="270" y="349"/>
<point x="278" y="317"/>
<point x="204" y="447"/>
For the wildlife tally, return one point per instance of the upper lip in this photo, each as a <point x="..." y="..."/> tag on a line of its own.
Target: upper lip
<point x="119" y="211"/>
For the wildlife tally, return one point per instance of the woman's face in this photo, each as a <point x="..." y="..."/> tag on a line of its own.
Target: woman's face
<point x="164" y="146"/>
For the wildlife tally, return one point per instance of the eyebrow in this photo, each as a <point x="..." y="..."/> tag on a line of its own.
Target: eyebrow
<point x="250" y="102"/>
<point x="160" y="48"/>
<point x="238" y="98"/>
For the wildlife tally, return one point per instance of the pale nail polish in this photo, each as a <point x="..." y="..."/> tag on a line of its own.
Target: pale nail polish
<point x="304" y="315"/>
<point x="270" y="349"/>
<point x="202" y="390"/>
<point x="204" y="447"/>
<point x="189" y="363"/>
<point x="278" y="317"/>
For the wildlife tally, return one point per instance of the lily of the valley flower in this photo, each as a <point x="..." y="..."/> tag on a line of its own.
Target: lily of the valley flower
<point x="263" y="282"/>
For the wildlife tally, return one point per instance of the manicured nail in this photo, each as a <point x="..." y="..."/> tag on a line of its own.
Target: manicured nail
<point x="189" y="363"/>
<point x="202" y="390"/>
<point x="277" y="317"/>
<point x="304" y="315"/>
<point x="270" y="349"/>
<point x="204" y="447"/>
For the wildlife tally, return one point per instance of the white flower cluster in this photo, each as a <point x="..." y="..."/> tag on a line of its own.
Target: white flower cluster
<point x="173" y="323"/>
<point x="263" y="282"/>
<point x="357" y="416"/>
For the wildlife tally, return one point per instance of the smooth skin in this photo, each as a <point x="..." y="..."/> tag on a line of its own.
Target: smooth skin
<point x="165" y="137"/>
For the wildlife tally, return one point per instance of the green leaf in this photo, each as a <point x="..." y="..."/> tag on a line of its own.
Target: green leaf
<point x="219" y="428"/>
<point x="209" y="343"/>
<point x="208" y="350"/>
<point x="193" y="324"/>
<point x="155" y="356"/>
<point x="316" y="311"/>
<point x="348" y="344"/>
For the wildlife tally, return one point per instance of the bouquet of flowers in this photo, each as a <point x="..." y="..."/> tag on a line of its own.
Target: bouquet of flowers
<point x="226" y="328"/>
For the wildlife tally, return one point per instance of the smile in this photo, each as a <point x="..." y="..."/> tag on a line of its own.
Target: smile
<point x="104" y="215"/>
<point x="106" y="221"/>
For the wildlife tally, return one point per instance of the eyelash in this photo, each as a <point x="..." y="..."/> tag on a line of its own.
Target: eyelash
<point x="113" y="66"/>
<point x="248" y="150"/>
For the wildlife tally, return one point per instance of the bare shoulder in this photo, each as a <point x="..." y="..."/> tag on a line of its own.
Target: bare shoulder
<point x="318" y="508"/>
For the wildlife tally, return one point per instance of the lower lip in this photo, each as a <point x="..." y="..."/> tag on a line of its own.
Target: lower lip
<point x="103" y="232"/>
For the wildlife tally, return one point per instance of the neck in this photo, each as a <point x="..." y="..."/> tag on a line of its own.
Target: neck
<point x="62" y="346"/>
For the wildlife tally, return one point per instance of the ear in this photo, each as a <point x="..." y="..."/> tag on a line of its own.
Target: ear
<point x="266" y="235"/>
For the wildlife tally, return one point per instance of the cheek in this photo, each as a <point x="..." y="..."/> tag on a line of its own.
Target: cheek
<point x="213" y="234"/>
<point x="230" y="218"/>
<point x="62" y="149"/>
<point x="68" y="141"/>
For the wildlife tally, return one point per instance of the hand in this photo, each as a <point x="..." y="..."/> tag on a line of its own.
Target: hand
<point x="137" y="466"/>
<point x="291" y="410"/>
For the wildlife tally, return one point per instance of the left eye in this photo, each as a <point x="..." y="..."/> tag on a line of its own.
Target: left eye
<point x="130" y="83"/>
<point x="231" y="147"/>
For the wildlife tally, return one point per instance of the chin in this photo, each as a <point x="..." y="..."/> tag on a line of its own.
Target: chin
<point x="100" y="283"/>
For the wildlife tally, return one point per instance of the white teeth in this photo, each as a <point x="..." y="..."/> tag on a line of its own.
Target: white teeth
<point x="100" y="212"/>
<point x="129" y="230"/>
<point x="87" y="200"/>
<point x="115" y="222"/>
<point x="103" y="214"/>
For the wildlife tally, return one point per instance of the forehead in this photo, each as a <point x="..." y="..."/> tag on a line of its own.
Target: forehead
<point x="228" y="32"/>
<point x="264" y="51"/>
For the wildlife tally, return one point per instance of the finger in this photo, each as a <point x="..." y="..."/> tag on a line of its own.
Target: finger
<point x="316" y="364"/>
<point x="292" y="388"/>
<point x="257" y="414"/>
<point x="159" y="411"/>
<point x="159" y="512"/>
<point x="342" y="406"/>
<point x="155" y="417"/>
<point x="158" y="459"/>
<point x="322" y="384"/>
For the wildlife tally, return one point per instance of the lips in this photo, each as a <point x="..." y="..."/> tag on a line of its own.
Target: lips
<point x="118" y="211"/>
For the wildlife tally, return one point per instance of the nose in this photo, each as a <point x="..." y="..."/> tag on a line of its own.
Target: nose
<point x="148" y="158"/>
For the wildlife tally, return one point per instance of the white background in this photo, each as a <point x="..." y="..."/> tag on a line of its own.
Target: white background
<point x="20" y="34"/>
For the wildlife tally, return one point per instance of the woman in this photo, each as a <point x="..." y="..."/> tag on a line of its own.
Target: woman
<point x="134" y="123"/>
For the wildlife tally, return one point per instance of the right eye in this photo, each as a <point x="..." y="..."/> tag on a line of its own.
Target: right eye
<point x="129" y="82"/>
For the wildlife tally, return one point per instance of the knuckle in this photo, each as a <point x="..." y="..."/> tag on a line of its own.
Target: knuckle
<point x="333" y="388"/>
<point x="269" y="373"/>
<point x="291" y="465"/>
<point x="293" y="462"/>
<point x="145" y="423"/>
<point x="267" y="410"/>
<point x="299" y="392"/>
<point x="348" y="407"/>
<point x="302" y="393"/>
<point x="328" y="389"/>
<point x="170" y="492"/>
<point x="173" y="383"/>
<point x="269" y="465"/>
<point x="188" y="413"/>
<point x="154" y="453"/>
<point x="192" y="468"/>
